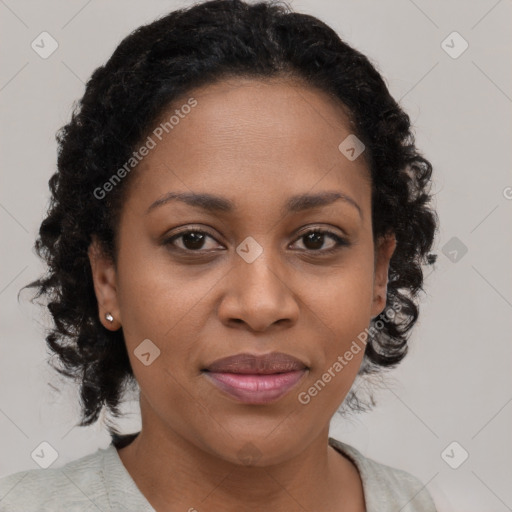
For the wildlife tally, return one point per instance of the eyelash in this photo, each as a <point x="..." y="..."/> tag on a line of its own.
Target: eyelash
<point x="340" y="241"/>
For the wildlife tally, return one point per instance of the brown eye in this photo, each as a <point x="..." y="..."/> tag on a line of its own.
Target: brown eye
<point x="315" y="239"/>
<point x="191" y="240"/>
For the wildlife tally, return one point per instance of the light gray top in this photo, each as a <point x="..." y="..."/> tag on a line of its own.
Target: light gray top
<point x="99" y="482"/>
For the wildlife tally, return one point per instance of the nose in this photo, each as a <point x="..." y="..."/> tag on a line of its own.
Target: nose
<point x="258" y="295"/>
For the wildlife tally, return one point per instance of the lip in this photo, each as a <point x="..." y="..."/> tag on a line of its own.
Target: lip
<point x="256" y="379"/>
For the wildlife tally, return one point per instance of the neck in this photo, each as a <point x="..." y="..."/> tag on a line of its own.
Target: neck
<point x="177" y="473"/>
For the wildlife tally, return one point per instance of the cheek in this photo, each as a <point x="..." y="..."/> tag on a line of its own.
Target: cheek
<point x="342" y="299"/>
<point x="156" y="296"/>
<point x="155" y="305"/>
<point x="342" y="309"/>
<point x="345" y="315"/>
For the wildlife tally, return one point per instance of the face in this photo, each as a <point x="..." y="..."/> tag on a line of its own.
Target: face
<point x="282" y="259"/>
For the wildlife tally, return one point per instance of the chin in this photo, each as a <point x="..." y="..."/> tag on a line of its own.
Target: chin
<point x="255" y="450"/>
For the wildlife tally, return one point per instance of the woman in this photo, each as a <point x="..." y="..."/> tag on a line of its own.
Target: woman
<point x="238" y="224"/>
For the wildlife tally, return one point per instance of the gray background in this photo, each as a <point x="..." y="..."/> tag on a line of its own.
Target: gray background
<point x="455" y="384"/>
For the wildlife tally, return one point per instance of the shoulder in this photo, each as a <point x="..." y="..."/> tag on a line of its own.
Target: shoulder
<point x="78" y="485"/>
<point x="387" y="488"/>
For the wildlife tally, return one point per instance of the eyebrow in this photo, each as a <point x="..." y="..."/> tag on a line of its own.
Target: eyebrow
<point x="294" y="204"/>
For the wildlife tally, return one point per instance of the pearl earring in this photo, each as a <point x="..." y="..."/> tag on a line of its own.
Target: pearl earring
<point x="109" y="317"/>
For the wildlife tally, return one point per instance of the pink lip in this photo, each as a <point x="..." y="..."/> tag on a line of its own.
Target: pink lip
<point x="256" y="378"/>
<point x="274" y="362"/>
<point x="256" y="388"/>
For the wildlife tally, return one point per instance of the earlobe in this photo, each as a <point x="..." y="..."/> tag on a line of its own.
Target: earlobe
<point x="105" y="287"/>
<point x="386" y="246"/>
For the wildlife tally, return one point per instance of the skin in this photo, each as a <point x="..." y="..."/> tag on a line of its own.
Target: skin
<point x="256" y="143"/>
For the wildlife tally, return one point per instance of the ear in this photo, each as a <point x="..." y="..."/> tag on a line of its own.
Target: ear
<point x="105" y="287"/>
<point x="384" y="250"/>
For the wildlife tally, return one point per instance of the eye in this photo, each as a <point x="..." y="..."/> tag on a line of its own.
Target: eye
<point x="314" y="239"/>
<point x="191" y="240"/>
<point x="194" y="240"/>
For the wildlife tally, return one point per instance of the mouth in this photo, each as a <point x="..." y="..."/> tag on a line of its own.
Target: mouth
<point x="254" y="379"/>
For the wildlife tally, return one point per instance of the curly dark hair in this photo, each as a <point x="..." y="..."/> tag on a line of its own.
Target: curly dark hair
<point x="150" y="68"/>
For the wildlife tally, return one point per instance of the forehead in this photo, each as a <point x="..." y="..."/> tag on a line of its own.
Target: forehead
<point x="253" y="138"/>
